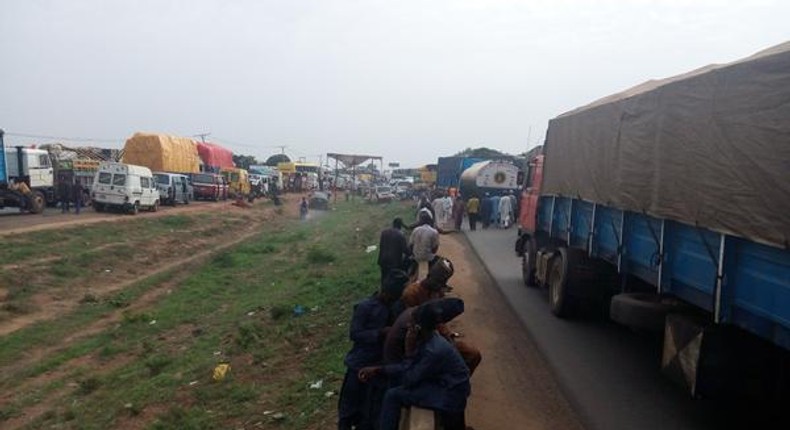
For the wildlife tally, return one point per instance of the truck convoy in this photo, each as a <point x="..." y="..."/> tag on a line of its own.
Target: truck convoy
<point x="673" y="199"/>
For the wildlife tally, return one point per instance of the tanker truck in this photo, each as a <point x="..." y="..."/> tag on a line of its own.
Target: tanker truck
<point x="670" y="204"/>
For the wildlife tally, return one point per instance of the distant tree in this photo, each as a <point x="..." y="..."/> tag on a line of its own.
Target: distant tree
<point x="244" y="161"/>
<point x="482" y="152"/>
<point x="277" y="158"/>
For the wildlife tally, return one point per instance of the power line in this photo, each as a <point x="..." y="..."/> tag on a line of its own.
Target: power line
<point x="72" y="139"/>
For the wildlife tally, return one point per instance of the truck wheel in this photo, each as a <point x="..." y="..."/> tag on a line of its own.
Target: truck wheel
<point x="645" y="311"/>
<point x="559" y="297"/>
<point x="528" y="259"/>
<point x="98" y="207"/>
<point x="37" y="203"/>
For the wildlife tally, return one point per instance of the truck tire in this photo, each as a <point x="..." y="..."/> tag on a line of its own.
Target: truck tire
<point x="528" y="258"/>
<point x="559" y="276"/>
<point x="644" y="311"/>
<point x="98" y="207"/>
<point x="37" y="203"/>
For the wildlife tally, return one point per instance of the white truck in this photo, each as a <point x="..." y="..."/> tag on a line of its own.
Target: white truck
<point x="28" y="165"/>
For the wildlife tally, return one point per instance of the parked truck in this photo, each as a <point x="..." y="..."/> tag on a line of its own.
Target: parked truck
<point x="670" y="202"/>
<point x="31" y="166"/>
<point x="162" y="153"/>
<point x="449" y="170"/>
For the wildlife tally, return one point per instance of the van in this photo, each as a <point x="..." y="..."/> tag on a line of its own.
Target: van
<point x="124" y="186"/>
<point x="238" y="182"/>
<point x="174" y="188"/>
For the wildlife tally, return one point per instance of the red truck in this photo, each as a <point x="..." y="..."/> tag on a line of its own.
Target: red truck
<point x="209" y="186"/>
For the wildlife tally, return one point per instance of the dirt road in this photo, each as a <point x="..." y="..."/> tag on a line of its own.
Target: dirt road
<point x="511" y="389"/>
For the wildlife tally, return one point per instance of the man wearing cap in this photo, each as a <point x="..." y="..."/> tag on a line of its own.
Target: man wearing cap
<point x="393" y="248"/>
<point x="369" y="326"/>
<point x="434" y="377"/>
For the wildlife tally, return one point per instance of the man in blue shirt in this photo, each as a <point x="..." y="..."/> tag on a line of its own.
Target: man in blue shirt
<point x="369" y="326"/>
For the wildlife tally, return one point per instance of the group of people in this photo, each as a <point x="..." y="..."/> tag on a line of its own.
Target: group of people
<point x="403" y="352"/>
<point x="499" y="211"/>
<point x="70" y="193"/>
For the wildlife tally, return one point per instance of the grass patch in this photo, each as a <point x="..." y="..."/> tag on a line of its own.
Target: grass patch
<point x="238" y="308"/>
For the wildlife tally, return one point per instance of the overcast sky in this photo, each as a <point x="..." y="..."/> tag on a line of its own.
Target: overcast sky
<point x="407" y="80"/>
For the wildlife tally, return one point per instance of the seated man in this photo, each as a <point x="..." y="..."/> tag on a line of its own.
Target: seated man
<point x="369" y="326"/>
<point x="434" y="376"/>
<point x="434" y="286"/>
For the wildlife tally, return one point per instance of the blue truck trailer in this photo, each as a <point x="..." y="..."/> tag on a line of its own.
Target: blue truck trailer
<point x="670" y="204"/>
<point x="449" y="170"/>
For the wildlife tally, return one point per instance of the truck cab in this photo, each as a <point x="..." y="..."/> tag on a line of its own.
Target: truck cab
<point x="29" y="165"/>
<point x="238" y="181"/>
<point x="209" y="186"/>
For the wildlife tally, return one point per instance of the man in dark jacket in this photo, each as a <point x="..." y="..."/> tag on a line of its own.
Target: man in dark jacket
<point x="393" y="248"/>
<point x="369" y="326"/>
<point x="433" y="377"/>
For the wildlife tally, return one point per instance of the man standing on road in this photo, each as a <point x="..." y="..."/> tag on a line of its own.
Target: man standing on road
<point x="78" y="191"/>
<point x="424" y="243"/>
<point x="65" y="191"/>
<point x="393" y="248"/>
<point x="472" y="210"/>
<point x="485" y="211"/>
<point x="459" y="209"/>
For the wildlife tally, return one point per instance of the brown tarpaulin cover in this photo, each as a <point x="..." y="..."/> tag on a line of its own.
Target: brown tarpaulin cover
<point x="708" y="148"/>
<point x="162" y="153"/>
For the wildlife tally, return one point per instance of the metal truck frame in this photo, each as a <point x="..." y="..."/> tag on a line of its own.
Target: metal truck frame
<point x="718" y="289"/>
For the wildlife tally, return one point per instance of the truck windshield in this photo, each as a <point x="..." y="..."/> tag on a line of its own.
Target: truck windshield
<point x="162" y="179"/>
<point x="105" y="178"/>
<point x="202" y="179"/>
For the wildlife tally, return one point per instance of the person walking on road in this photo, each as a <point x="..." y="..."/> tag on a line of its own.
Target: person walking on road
<point x="485" y="211"/>
<point x="393" y="248"/>
<point x="303" y="208"/>
<point x="424" y="242"/>
<point x="459" y="209"/>
<point x="505" y="212"/>
<point x="472" y="212"/>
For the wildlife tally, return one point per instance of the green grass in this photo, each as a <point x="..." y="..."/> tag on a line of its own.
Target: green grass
<point x="237" y="308"/>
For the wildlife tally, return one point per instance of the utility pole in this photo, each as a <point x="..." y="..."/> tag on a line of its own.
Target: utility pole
<point x="202" y="136"/>
<point x="282" y="148"/>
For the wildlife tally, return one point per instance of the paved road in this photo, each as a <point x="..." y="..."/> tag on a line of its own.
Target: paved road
<point x="609" y="374"/>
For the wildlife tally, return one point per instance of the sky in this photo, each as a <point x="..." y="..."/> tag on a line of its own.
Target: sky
<point x="408" y="80"/>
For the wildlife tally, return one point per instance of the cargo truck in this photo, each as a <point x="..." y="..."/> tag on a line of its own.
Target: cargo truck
<point x="31" y="166"/>
<point x="670" y="203"/>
